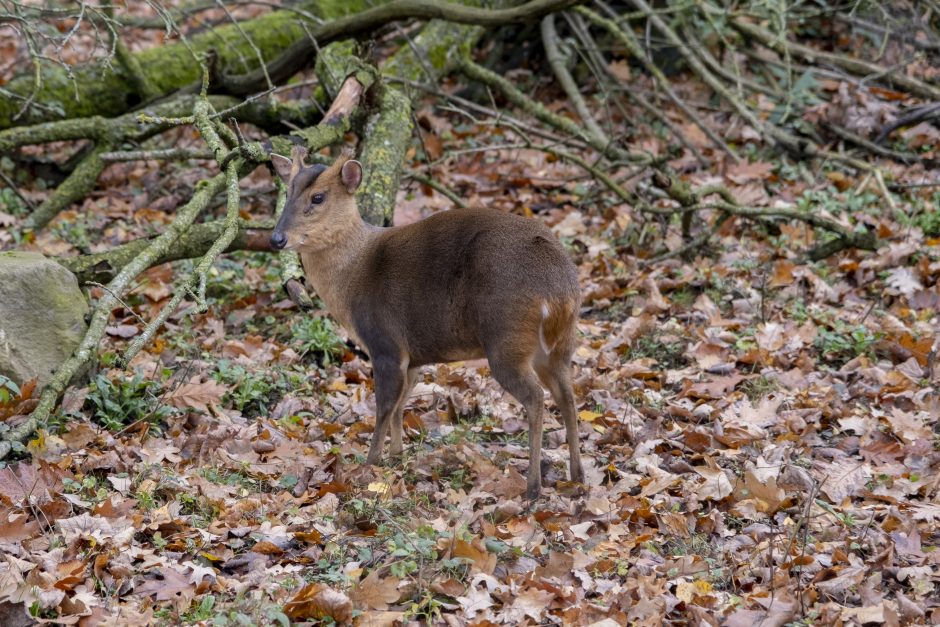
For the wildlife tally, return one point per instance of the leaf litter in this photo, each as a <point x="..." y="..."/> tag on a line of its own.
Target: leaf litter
<point x="761" y="433"/>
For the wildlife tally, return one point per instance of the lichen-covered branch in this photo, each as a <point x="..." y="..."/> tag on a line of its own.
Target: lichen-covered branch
<point x="557" y="62"/>
<point x="386" y="140"/>
<point x="102" y="267"/>
<point x="895" y="78"/>
<point x="537" y="109"/>
<point x="103" y="91"/>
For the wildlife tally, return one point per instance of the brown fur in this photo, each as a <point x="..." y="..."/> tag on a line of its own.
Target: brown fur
<point x="458" y="285"/>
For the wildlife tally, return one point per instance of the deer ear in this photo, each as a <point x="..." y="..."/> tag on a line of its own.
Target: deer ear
<point x="351" y="175"/>
<point x="283" y="166"/>
<point x="299" y="153"/>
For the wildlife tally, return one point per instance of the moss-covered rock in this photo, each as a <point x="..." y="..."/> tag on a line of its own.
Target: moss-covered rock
<point x="42" y="316"/>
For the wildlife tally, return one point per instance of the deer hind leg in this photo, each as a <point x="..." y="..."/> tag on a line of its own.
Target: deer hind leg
<point x="552" y="363"/>
<point x="390" y="376"/>
<point x="555" y="374"/>
<point x="396" y="447"/>
<point x="513" y="370"/>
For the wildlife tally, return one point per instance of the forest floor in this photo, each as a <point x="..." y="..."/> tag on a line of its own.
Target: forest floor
<point x="761" y="433"/>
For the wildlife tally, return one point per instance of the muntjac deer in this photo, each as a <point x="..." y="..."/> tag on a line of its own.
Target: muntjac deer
<point x="461" y="284"/>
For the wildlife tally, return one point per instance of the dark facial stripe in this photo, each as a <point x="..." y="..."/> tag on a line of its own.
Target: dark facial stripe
<point x="305" y="178"/>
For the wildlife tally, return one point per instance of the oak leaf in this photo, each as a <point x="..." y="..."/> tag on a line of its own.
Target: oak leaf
<point x="375" y="593"/>
<point x="317" y="601"/>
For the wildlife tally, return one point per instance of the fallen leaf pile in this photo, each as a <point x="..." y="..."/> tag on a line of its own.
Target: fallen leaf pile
<point x="761" y="433"/>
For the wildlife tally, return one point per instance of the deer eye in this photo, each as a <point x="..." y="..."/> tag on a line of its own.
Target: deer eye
<point x="318" y="198"/>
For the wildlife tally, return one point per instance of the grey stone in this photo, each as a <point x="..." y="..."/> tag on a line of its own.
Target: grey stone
<point x="42" y="316"/>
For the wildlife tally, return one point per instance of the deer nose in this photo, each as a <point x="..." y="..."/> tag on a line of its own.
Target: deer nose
<point x="278" y="240"/>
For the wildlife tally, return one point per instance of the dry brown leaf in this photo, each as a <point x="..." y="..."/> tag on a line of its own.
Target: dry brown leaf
<point x="842" y="478"/>
<point x="167" y="585"/>
<point x="318" y="601"/>
<point x="481" y="560"/>
<point x="196" y="394"/>
<point x="374" y="592"/>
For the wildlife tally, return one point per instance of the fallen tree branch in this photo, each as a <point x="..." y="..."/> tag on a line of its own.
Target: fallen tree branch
<point x="541" y="112"/>
<point x="103" y="267"/>
<point x="160" y="154"/>
<point x="229" y="230"/>
<point x="304" y="49"/>
<point x="680" y="192"/>
<point x="557" y="62"/>
<point x="855" y="66"/>
<point x="627" y="39"/>
<point x="385" y="143"/>
<point x="438" y="187"/>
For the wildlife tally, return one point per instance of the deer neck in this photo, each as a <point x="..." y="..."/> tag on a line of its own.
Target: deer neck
<point x="331" y="258"/>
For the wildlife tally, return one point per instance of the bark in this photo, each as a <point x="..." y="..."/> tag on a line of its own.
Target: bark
<point x="435" y="52"/>
<point x="893" y="77"/>
<point x="110" y="91"/>
<point x="103" y="267"/>
<point x="388" y="136"/>
<point x="280" y="37"/>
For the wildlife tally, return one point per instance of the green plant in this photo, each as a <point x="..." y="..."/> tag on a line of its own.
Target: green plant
<point x="668" y="352"/>
<point x="929" y="219"/>
<point x="796" y="309"/>
<point x="409" y="547"/>
<point x="249" y="391"/>
<point x="77" y="232"/>
<point x="88" y="488"/>
<point x="199" y="508"/>
<point x="317" y="337"/>
<point x="8" y="390"/>
<point x="11" y="203"/>
<point x="843" y="342"/>
<point x="122" y="401"/>
<point x="835" y="202"/>
<point x="204" y="610"/>
<point x="759" y="387"/>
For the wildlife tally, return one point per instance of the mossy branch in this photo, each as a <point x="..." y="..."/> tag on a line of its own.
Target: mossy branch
<point x="96" y="89"/>
<point x="626" y="38"/>
<point x="385" y="143"/>
<point x="304" y="49"/>
<point x="514" y="95"/>
<point x="694" y="200"/>
<point x="858" y="67"/>
<point x="103" y="267"/>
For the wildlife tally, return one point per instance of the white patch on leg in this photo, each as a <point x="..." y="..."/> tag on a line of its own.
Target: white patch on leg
<point x="542" y="340"/>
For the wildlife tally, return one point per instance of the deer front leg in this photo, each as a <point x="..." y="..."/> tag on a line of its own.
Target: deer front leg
<point x="389" y="376"/>
<point x="396" y="446"/>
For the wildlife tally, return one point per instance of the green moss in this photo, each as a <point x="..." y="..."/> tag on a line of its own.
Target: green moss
<point x="106" y="91"/>
<point x="387" y="138"/>
<point x="441" y="43"/>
